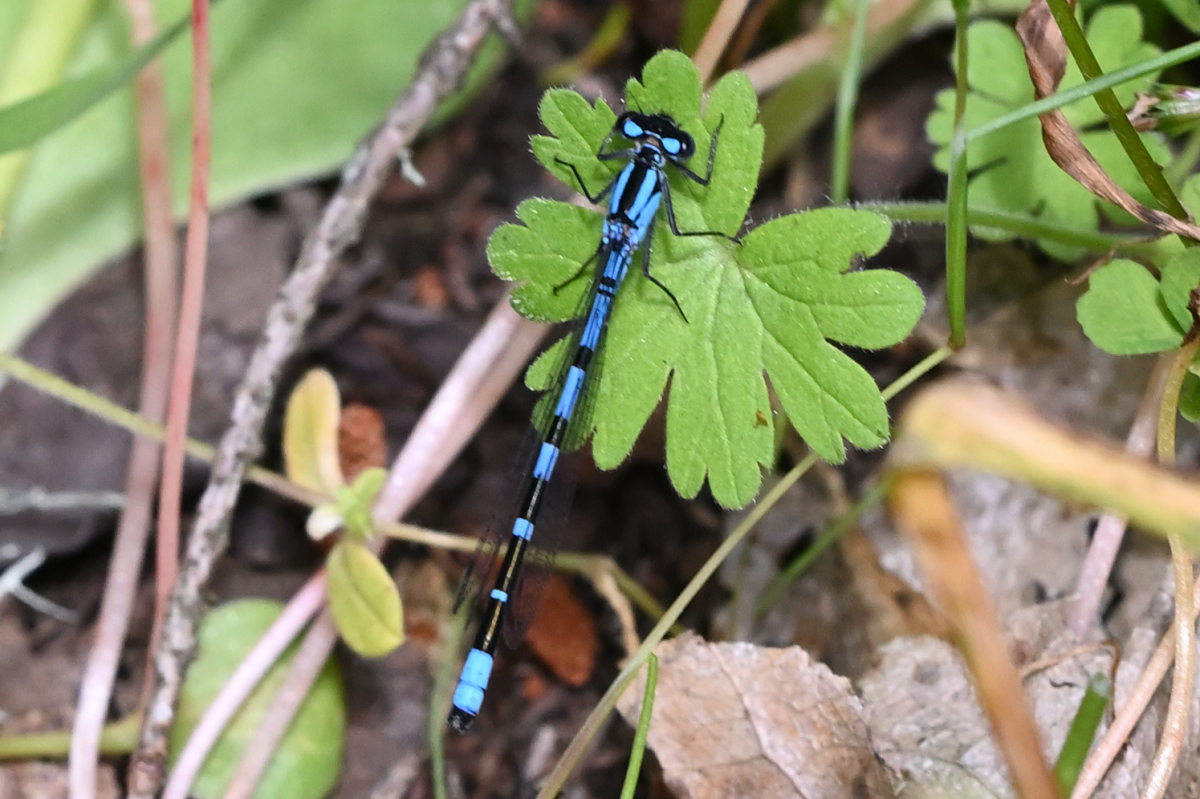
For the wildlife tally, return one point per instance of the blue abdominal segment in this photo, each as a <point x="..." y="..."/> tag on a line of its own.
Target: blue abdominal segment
<point x="637" y="192"/>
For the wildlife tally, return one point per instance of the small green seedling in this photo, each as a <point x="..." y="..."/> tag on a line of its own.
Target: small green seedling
<point x="362" y="596"/>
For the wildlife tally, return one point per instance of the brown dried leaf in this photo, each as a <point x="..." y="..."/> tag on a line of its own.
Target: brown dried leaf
<point x="430" y="289"/>
<point x="362" y="441"/>
<point x="1046" y="56"/>
<point x="427" y="601"/>
<point x="563" y="635"/>
<point x="741" y="720"/>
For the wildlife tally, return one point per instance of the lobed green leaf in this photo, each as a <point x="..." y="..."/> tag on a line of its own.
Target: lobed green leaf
<point x="772" y="303"/>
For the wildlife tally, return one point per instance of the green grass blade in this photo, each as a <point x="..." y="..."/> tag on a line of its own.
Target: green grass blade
<point x="643" y="730"/>
<point x="24" y="123"/>
<point x="1083" y="730"/>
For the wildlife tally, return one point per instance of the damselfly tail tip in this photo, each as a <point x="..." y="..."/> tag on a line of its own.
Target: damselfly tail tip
<point x="460" y="720"/>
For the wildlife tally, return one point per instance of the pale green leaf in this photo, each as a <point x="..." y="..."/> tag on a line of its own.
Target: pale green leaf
<point x="1123" y="312"/>
<point x="363" y="600"/>
<point x="306" y="764"/>
<point x="310" y="433"/>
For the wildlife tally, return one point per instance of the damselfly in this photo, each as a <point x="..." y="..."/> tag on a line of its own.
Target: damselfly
<point x="637" y="191"/>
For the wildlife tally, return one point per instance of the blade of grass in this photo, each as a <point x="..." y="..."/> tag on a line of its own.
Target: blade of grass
<point x="1082" y="732"/>
<point x="847" y="101"/>
<point x="956" y="194"/>
<point x="1057" y="100"/>
<point x="40" y="53"/>
<point x="1023" y="226"/>
<point x="828" y="537"/>
<point x="25" y="122"/>
<point x="439" y="699"/>
<point x="643" y="730"/>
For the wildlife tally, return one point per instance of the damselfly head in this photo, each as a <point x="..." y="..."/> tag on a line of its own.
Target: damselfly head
<point x="675" y="142"/>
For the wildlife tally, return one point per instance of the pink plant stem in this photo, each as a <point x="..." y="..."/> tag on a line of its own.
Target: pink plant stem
<point x="161" y="285"/>
<point x="1110" y="531"/>
<point x="306" y="667"/>
<point x="299" y="611"/>
<point x="717" y="37"/>
<point x="194" y="268"/>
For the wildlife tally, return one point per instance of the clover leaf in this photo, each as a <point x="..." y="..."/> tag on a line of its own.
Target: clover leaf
<point x="1126" y="311"/>
<point x="1010" y="169"/>
<point x="773" y="302"/>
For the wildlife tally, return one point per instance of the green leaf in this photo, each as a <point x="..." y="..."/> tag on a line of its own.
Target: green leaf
<point x="1179" y="277"/>
<point x="363" y="600"/>
<point x="308" y="759"/>
<point x="310" y="433"/>
<point x="1123" y="311"/>
<point x="770" y="303"/>
<point x="1189" y="398"/>
<point x="355" y="501"/>
<point x="1186" y="11"/>
<point x="1011" y="170"/>
<point x="24" y="122"/>
<point x="296" y="86"/>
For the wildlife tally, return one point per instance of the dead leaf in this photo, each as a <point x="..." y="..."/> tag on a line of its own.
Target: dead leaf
<point x="563" y="635"/>
<point x="362" y="441"/>
<point x="1046" y="56"/>
<point x="894" y="608"/>
<point x="923" y="714"/>
<point x="746" y="721"/>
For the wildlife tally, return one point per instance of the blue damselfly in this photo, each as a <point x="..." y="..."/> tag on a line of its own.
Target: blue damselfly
<point x="636" y="192"/>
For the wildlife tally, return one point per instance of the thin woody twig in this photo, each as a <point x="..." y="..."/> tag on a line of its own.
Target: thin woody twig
<point x="440" y="72"/>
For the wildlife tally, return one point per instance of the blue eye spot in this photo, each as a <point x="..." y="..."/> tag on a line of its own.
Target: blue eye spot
<point x="632" y="130"/>
<point x="673" y="146"/>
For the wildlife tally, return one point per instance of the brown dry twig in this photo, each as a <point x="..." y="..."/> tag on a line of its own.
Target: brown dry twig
<point x="1046" y="55"/>
<point x="440" y="72"/>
